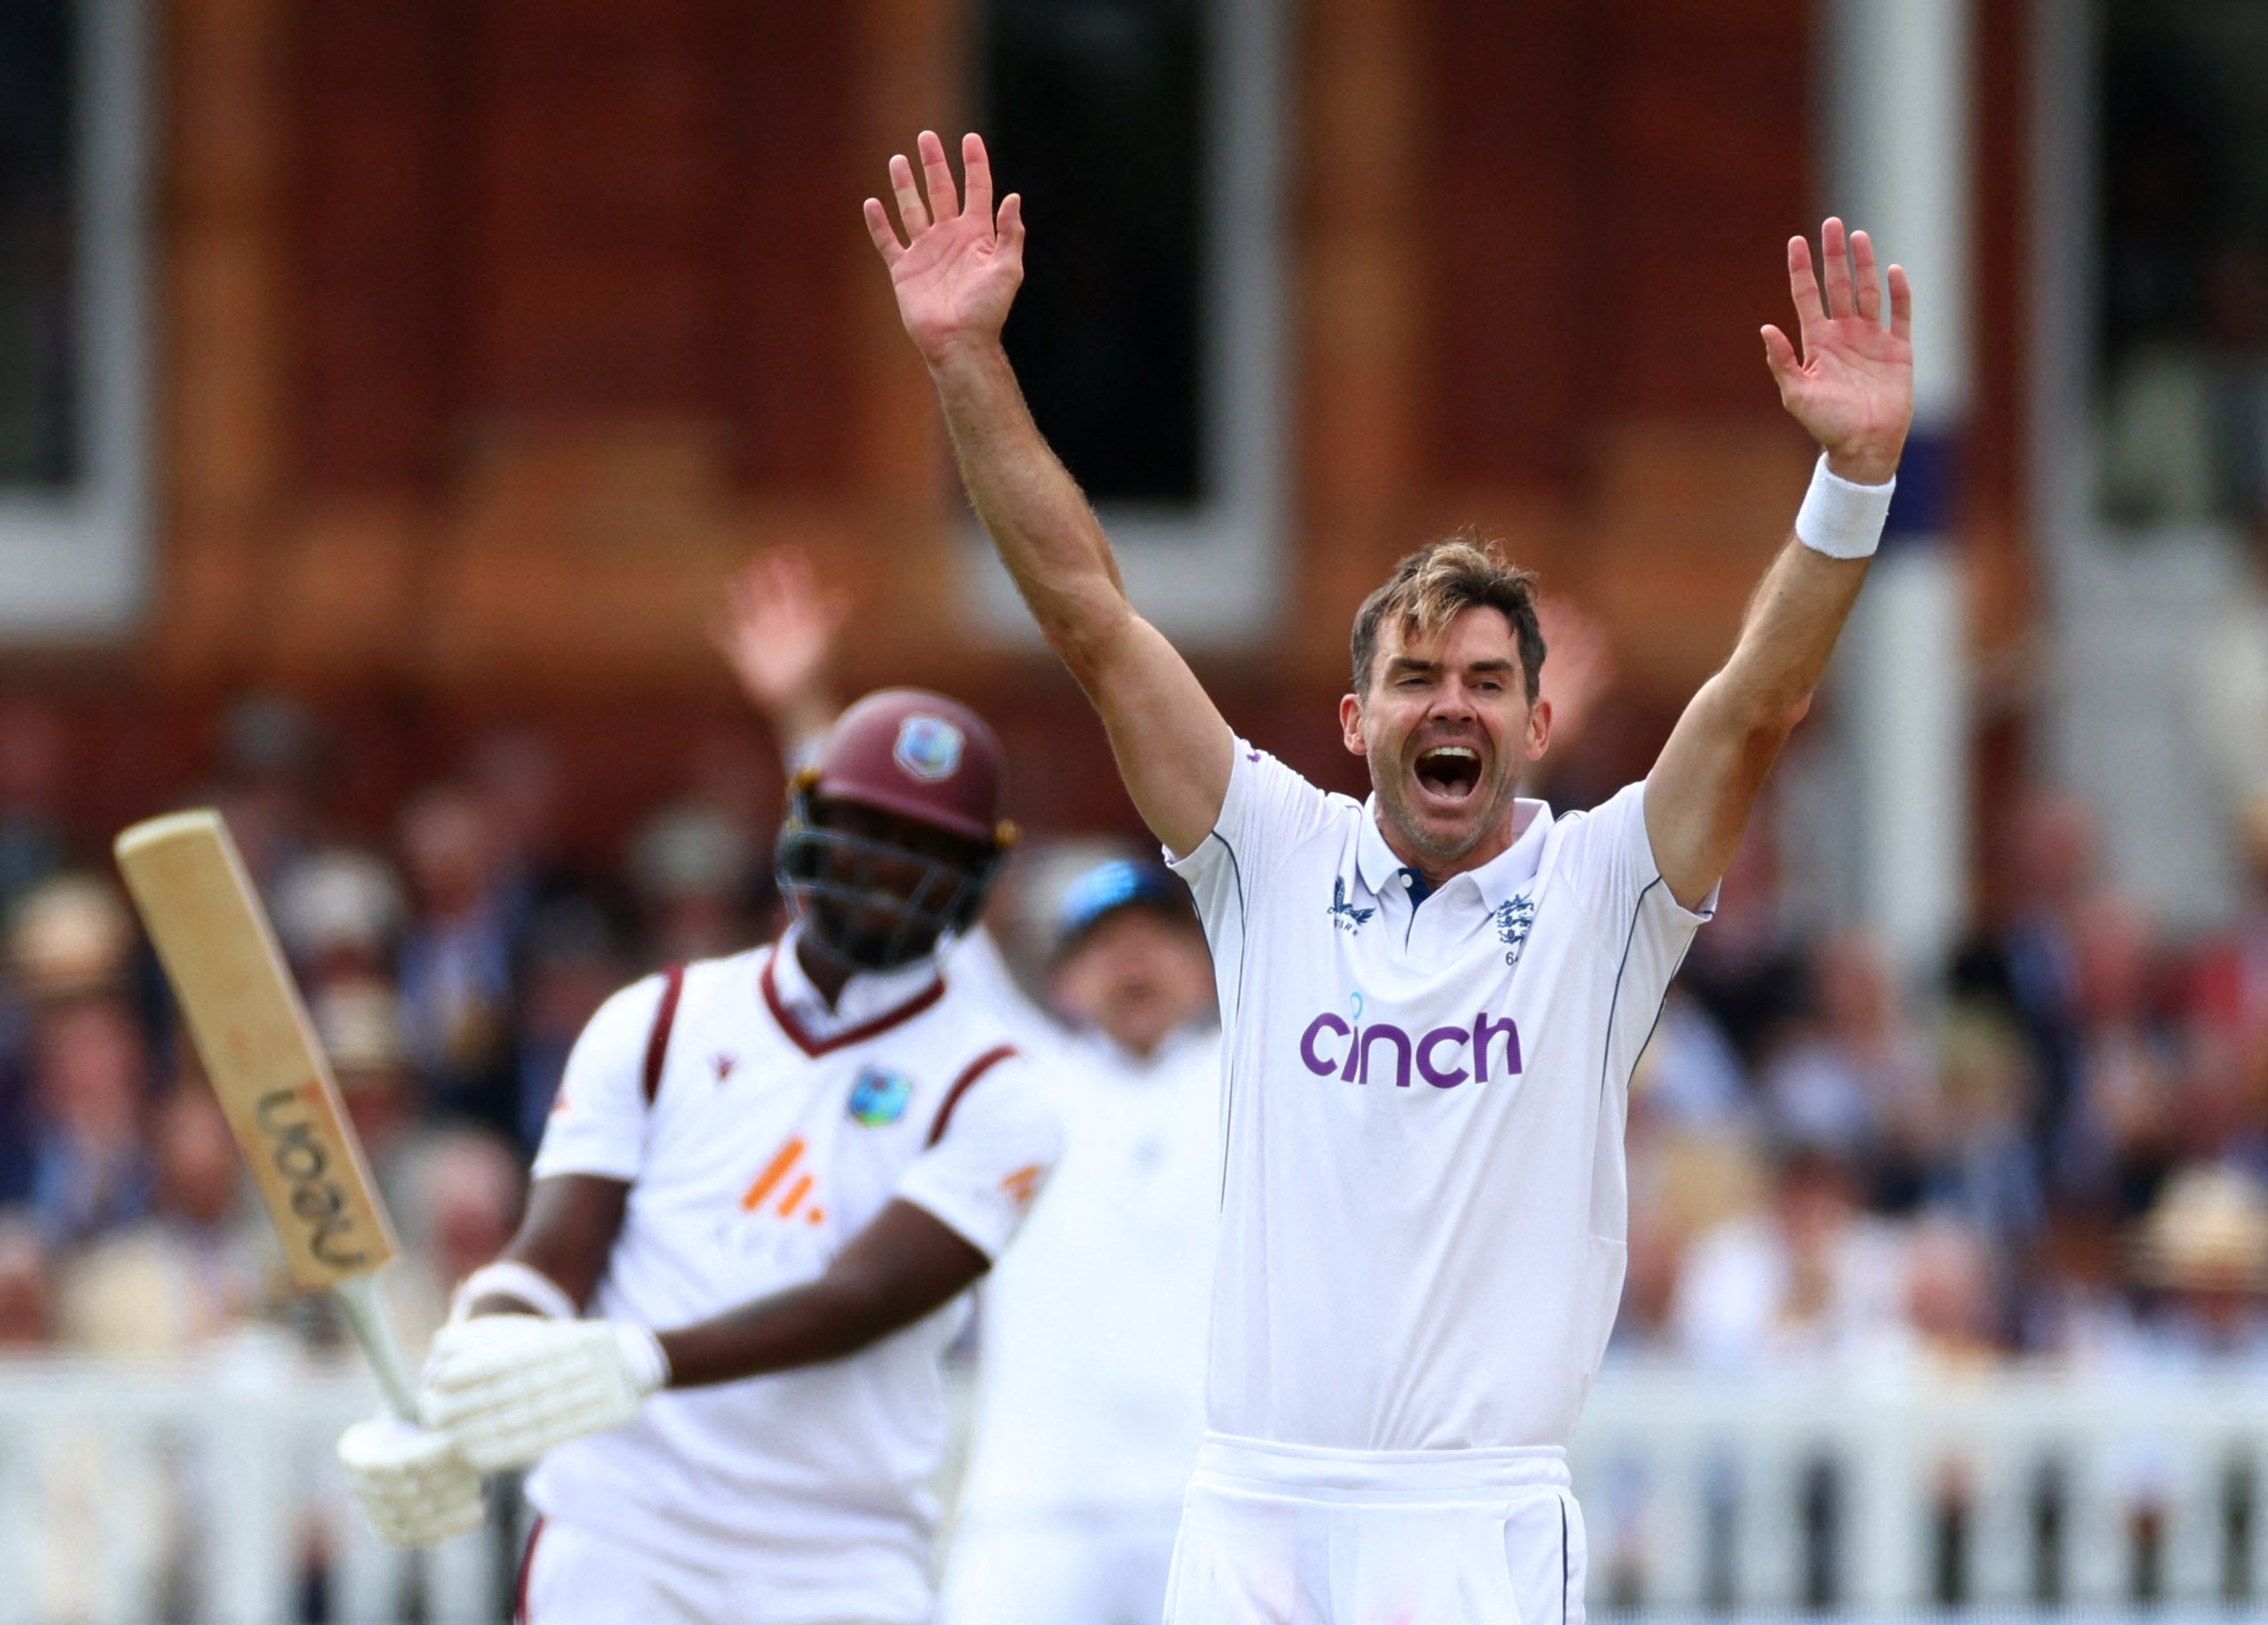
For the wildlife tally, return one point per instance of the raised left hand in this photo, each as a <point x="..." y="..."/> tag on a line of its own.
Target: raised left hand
<point x="1853" y="387"/>
<point x="505" y="1388"/>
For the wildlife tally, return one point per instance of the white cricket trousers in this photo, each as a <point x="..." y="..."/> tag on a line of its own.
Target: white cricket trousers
<point x="574" y="1575"/>
<point x="1289" y="1535"/>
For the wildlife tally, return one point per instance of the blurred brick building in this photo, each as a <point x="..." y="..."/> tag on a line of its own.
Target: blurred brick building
<point x="490" y="334"/>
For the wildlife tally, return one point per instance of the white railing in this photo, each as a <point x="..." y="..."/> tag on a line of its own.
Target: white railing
<point x="209" y="1493"/>
<point x="1901" y="1492"/>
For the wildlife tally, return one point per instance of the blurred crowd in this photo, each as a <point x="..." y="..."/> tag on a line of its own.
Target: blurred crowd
<point x="2057" y="1149"/>
<point x="448" y="972"/>
<point x="2054" y="1149"/>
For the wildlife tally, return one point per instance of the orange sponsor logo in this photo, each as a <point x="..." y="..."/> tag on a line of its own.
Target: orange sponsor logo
<point x="1023" y="1183"/>
<point x="785" y="1175"/>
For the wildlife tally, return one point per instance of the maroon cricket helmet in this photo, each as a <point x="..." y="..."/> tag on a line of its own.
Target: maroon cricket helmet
<point x="918" y="756"/>
<point x="870" y="902"/>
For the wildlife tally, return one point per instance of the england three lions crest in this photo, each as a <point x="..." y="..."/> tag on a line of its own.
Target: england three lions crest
<point x="1514" y="918"/>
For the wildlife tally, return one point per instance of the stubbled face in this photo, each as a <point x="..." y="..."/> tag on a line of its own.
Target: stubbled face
<point x="1447" y="728"/>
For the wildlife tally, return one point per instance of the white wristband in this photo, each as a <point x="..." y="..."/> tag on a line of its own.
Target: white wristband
<point x="508" y="1278"/>
<point x="1841" y="518"/>
<point x="642" y="1357"/>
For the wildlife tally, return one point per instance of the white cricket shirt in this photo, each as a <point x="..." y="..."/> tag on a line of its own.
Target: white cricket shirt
<point x="1091" y="1374"/>
<point x="770" y="1142"/>
<point x="1425" y="1207"/>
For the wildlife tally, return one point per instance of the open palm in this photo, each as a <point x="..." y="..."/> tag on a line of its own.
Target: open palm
<point x="958" y="269"/>
<point x="778" y="629"/>
<point x="1852" y="387"/>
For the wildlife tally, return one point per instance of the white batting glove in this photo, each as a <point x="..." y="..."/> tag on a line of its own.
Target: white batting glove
<point x="505" y="1388"/>
<point x="417" y="1488"/>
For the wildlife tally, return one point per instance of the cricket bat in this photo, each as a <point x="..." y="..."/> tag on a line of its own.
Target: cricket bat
<point x="251" y="1030"/>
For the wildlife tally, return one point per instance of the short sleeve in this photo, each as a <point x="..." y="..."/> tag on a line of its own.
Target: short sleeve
<point x="1609" y="858"/>
<point x="999" y="1143"/>
<point x="598" y="1121"/>
<point x="1267" y="811"/>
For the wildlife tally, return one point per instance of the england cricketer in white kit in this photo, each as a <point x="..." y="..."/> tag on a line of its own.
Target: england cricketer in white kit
<point x="1431" y="1002"/>
<point x="771" y="1177"/>
<point x="1091" y="1397"/>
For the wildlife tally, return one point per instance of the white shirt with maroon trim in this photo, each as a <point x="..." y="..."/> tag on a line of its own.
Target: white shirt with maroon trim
<point x="1425" y="1205"/>
<point x="777" y="1130"/>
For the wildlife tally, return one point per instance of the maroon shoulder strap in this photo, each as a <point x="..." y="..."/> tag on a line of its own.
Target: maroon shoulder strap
<point x="672" y="983"/>
<point x="970" y="1074"/>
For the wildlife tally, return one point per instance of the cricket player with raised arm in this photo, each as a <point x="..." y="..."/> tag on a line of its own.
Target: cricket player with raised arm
<point x="765" y="1185"/>
<point x="1431" y="1001"/>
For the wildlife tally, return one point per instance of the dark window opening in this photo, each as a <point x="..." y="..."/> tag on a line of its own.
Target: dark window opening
<point x="2181" y="314"/>
<point x="39" y="316"/>
<point x="1094" y="111"/>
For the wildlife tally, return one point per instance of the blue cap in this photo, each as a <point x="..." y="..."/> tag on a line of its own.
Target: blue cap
<point x="1120" y="883"/>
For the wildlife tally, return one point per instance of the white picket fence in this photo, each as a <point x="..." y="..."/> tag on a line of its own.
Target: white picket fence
<point x="1899" y="1492"/>
<point x="209" y="1494"/>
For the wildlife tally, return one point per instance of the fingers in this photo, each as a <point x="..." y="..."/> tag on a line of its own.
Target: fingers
<point x="884" y="234"/>
<point x="944" y="203"/>
<point x="1780" y="356"/>
<point x="1011" y="227"/>
<point x="1867" y="285"/>
<point x="1901" y="295"/>
<point x="977" y="175"/>
<point x="1802" y="285"/>
<point x="909" y="195"/>
<point x="1835" y="256"/>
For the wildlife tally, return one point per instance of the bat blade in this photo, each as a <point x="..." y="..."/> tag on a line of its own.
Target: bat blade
<point x="251" y="1030"/>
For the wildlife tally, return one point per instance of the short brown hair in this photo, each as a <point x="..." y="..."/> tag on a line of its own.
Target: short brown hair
<point x="1431" y="586"/>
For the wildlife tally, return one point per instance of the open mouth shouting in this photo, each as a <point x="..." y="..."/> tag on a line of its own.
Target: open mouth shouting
<point x="1448" y="775"/>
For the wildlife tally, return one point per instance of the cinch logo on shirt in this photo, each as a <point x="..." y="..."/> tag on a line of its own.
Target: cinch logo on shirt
<point x="1332" y="1044"/>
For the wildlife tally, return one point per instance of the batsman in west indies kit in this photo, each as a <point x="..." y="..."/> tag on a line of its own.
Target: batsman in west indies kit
<point x="1431" y="1002"/>
<point x="787" y="1165"/>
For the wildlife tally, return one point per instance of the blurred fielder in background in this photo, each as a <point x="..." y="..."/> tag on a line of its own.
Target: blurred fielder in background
<point x="785" y="1165"/>
<point x="1432" y="1002"/>
<point x="1091" y="1402"/>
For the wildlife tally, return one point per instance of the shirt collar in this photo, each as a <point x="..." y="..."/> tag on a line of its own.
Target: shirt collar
<point x="867" y="996"/>
<point x="1496" y="879"/>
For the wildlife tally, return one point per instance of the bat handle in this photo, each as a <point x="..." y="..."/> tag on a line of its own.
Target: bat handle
<point x="373" y="1327"/>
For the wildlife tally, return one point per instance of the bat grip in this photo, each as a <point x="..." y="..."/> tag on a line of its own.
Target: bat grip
<point x="373" y="1327"/>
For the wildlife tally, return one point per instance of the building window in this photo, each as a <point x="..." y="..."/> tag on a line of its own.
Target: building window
<point x="73" y="328"/>
<point x="39" y="438"/>
<point x="1097" y="109"/>
<point x="2181" y="293"/>
<point x="1143" y="134"/>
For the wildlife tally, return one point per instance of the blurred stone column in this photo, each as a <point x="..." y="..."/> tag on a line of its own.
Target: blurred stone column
<point x="1896" y="134"/>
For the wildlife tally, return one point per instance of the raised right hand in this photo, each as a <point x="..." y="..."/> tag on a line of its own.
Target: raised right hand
<point x="958" y="269"/>
<point x="778" y="632"/>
